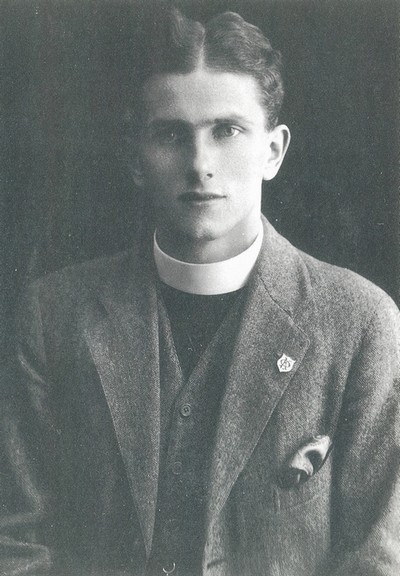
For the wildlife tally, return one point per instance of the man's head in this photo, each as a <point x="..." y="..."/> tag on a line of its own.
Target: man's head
<point x="209" y="134"/>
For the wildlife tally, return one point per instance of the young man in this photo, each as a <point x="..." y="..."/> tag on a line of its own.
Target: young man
<point x="213" y="401"/>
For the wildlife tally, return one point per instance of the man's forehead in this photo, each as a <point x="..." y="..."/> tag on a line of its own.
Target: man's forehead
<point x="202" y="94"/>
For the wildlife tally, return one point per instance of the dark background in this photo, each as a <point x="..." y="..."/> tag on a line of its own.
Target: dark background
<point x="65" y="190"/>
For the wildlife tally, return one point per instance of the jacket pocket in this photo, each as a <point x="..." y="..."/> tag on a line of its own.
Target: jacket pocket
<point x="306" y="488"/>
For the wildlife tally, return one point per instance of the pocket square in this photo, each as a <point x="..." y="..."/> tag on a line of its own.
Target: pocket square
<point x="306" y="462"/>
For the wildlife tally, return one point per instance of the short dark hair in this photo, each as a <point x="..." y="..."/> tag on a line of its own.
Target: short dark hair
<point x="226" y="43"/>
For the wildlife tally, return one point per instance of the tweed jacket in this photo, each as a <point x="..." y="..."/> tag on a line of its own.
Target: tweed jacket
<point x="316" y="362"/>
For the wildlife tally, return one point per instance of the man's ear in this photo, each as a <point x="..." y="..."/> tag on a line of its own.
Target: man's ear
<point x="278" y="143"/>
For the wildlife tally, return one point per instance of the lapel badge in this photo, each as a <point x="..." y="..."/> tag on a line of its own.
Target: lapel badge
<point x="285" y="363"/>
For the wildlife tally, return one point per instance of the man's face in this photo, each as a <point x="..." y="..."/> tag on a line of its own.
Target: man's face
<point x="203" y="155"/>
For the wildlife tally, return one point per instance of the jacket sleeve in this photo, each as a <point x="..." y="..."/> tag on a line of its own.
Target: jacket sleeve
<point x="27" y="440"/>
<point x="366" y="497"/>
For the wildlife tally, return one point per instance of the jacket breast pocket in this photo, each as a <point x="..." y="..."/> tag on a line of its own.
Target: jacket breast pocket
<point x="297" y="488"/>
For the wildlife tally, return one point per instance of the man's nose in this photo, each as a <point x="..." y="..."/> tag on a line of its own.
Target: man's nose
<point x="202" y="157"/>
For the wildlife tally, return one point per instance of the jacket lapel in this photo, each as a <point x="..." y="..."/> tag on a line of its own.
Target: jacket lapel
<point x="123" y="343"/>
<point x="278" y="292"/>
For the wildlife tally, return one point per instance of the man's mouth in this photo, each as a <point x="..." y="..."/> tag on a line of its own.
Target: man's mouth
<point x="200" y="197"/>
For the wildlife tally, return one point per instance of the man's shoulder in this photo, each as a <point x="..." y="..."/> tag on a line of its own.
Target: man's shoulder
<point x="82" y="276"/>
<point x="79" y="284"/>
<point x="64" y="298"/>
<point x="299" y="280"/>
<point x="346" y="303"/>
<point x="331" y="283"/>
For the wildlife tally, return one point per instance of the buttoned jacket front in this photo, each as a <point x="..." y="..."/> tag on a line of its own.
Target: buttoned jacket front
<point x="81" y="425"/>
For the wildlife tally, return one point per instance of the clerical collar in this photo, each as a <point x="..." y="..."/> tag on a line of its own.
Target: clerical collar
<point x="208" y="279"/>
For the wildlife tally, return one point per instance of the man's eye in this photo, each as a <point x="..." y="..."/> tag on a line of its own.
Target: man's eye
<point x="167" y="136"/>
<point x="226" y="131"/>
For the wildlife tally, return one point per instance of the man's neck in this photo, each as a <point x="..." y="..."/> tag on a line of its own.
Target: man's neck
<point x="208" y="278"/>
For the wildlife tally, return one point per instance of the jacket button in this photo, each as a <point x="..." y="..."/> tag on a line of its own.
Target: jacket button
<point x="186" y="410"/>
<point x="177" y="468"/>
<point x="169" y="569"/>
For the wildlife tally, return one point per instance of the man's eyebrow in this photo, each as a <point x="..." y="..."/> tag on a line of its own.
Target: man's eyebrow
<point x="233" y="119"/>
<point x="160" y="122"/>
<point x="228" y="119"/>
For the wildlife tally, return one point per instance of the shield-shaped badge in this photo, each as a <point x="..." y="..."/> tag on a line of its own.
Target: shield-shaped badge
<point x="285" y="363"/>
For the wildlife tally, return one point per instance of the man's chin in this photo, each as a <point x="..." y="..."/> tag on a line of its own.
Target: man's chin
<point x="189" y="239"/>
<point x="193" y="230"/>
<point x="199" y="234"/>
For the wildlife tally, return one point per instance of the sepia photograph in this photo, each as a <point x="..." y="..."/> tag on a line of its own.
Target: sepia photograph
<point x="200" y="282"/>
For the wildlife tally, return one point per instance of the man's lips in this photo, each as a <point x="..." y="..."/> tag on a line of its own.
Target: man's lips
<point x="200" y="197"/>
